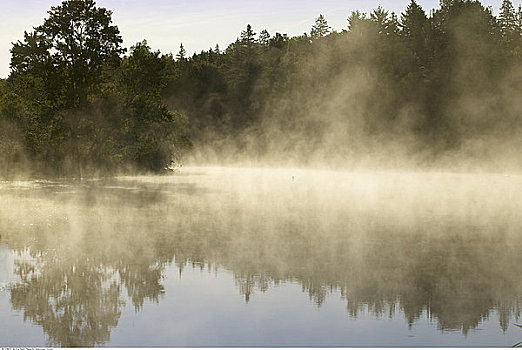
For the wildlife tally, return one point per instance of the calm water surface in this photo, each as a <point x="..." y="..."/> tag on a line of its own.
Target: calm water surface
<point x="249" y="257"/>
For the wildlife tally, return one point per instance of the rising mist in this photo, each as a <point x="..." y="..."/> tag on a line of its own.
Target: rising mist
<point x="409" y="91"/>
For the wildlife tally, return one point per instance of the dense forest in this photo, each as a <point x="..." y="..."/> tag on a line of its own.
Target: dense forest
<point x="416" y="89"/>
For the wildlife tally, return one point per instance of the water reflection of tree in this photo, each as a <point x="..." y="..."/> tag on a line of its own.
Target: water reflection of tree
<point x="77" y="300"/>
<point x="77" y="305"/>
<point x="455" y="271"/>
<point x="142" y="281"/>
<point x="72" y="275"/>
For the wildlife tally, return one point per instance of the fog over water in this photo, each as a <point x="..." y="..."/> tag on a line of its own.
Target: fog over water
<point x="260" y="256"/>
<point x="354" y="185"/>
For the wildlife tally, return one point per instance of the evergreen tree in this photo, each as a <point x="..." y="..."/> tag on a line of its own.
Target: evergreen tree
<point x="320" y="28"/>
<point x="394" y="24"/>
<point x="519" y="18"/>
<point x="247" y="37"/>
<point x="279" y="40"/>
<point x="507" y="18"/>
<point x="509" y="23"/>
<point x="380" y="17"/>
<point x="356" y="19"/>
<point x="413" y="22"/>
<point x="264" y="37"/>
<point x="181" y="55"/>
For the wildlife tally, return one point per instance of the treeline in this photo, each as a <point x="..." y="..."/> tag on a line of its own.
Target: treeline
<point x="388" y="90"/>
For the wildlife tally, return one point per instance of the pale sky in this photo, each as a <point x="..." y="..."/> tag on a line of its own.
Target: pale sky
<point x="198" y="24"/>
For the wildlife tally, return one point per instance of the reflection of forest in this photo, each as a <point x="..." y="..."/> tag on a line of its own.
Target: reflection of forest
<point x="90" y="244"/>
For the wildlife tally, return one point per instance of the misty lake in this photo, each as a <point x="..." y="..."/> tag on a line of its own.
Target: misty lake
<point x="262" y="257"/>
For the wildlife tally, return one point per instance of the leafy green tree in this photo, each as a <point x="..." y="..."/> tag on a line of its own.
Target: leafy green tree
<point x="2" y="86"/>
<point x="143" y="71"/>
<point x="68" y="54"/>
<point x="76" y="42"/>
<point x="15" y="114"/>
<point x="155" y="135"/>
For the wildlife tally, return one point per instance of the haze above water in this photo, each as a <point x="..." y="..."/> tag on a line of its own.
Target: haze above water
<point x="237" y="256"/>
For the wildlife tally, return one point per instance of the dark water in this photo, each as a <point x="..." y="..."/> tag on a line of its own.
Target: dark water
<point x="215" y="256"/>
